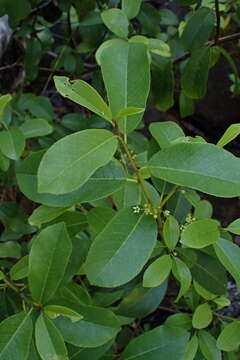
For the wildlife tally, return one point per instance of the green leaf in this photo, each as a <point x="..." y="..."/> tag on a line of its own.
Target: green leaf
<point x="4" y="100"/>
<point x="10" y="249"/>
<point x="180" y="320"/>
<point x="128" y="111"/>
<point x="165" y="132"/>
<point x="229" y="339"/>
<point x="49" y="341"/>
<point x="20" y="269"/>
<point x="171" y="232"/>
<point x="44" y="214"/>
<point x="142" y="301"/>
<point x="162" y="82"/>
<point x="202" y="316"/>
<point x="116" y="21"/>
<point x="203" y="210"/>
<point x="158" y="47"/>
<point x="36" y="127"/>
<point x="103" y="182"/>
<point x="4" y="162"/>
<point x="15" y="337"/>
<point x="158" y="271"/>
<point x="84" y="94"/>
<point x="210" y="274"/>
<point x="76" y="353"/>
<point x="182" y="273"/>
<point x="98" y="218"/>
<point x="75" y="294"/>
<point x="230" y="134"/>
<point x="41" y="107"/>
<point x="234" y="227"/>
<point x="125" y="88"/>
<point x="162" y="342"/>
<point x="198" y="28"/>
<point x="16" y="12"/>
<point x="221" y="302"/>
<point x="53" y="311"/>
<point x="203" y="292"/>
<point x="195" y="74"/>
<point x="48" y="260"/>
<point x="229" y="255"/>
<point x="98" y="326"/>
<point x="200" y="233"/>
<point x="128" y="195"/>
<point x="149" y="17"/>
<point x="12" y="143"/>
<point x="87" y="151"/>
<point x="186" y="105"/>
<point x="109" y="263"/>
<point x="131" y="7"/>
<point x="207" y="344"/>
<point x="185" y="164"/>
<point x="191" y="349"/>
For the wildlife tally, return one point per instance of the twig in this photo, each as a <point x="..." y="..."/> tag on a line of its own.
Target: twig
<point x="40" y="7"/>
<point x="218" y="17"/>
<point x="224" y="317"/>
<point x="133" y="164"/>
<point x="211" y="43"/>
<point x="2" y="68"/>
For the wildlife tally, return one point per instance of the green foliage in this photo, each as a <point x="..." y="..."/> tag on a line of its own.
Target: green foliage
<point x="107" y="249"/>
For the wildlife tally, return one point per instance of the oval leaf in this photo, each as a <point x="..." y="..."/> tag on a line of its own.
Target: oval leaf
<point x="171" y="232"/>
<point x="234" y="227"/>
<point x="49" y="341"/>
<point x="16" y="335"/>
<point x="229" y="255"/>
<point x="20" y="269"/>
<point x="12" y="143"/>
<point x="191" y="349"/>
<point x="230" y="134"/>
<point x="158" y="271"/>
<point x="195" y="73"/>
<point x="198" y="28"/>
<point x="103" y="182"/>
<point x="48" y="259"/>
<point x="207" y="344"/>
<point x="229" y="339"/>
<point x="36" y="127"/>
<point x="98" y="326"/>
<point x="202" y="316"/>
<point x="162" y="342"/>
<point x="185" y="164"/>
<point x="201" y="233"/>
<point x="183" y="275"/>
<point x="125" y="88"/>
<point x="84" y="94"/>
<point x="116" y="21"/>
<point x="131" y="7"/>
<point x="53" y="311"/>
<point x="127" y="235"/>
<point x="71" y="161"/>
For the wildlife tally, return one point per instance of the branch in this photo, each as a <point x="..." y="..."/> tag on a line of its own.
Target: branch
<point x="40" y="7"/>
<point x="7" y="67"/>
<point x="211" y="43"/>
<point x="218" y="17"/>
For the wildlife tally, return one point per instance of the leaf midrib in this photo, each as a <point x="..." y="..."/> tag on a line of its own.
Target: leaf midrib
<point x="14" y="334"/>
<point x="122" y="244"/>
<point x="192" y="173"/>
